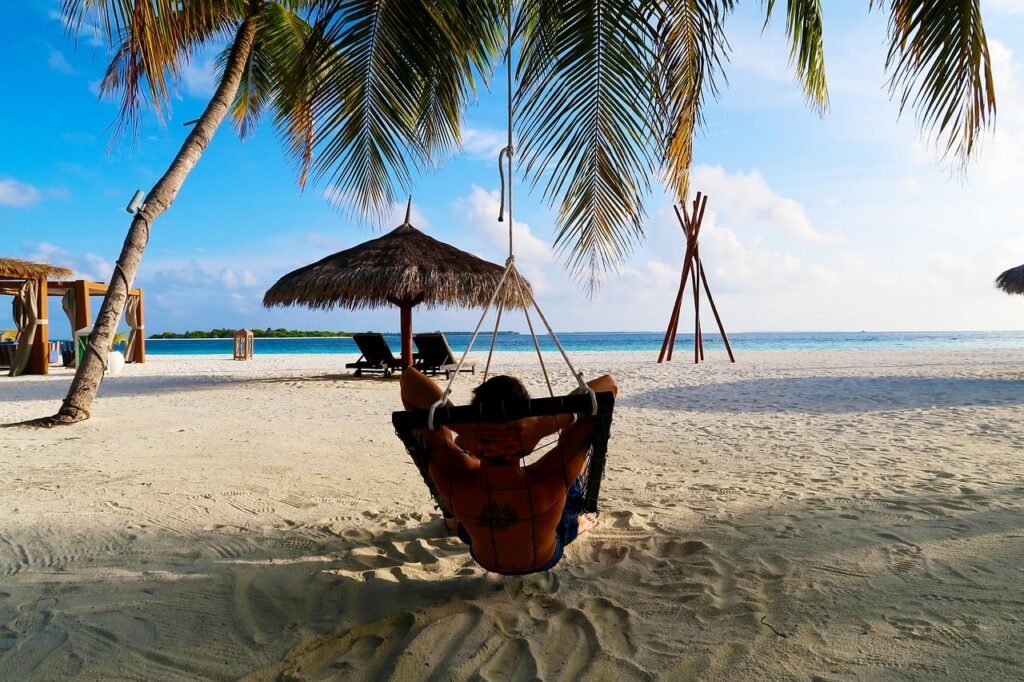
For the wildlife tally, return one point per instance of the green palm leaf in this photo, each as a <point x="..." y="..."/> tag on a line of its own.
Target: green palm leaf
<point x="391" y="78"/>
<point x="151" y="41"/>
<point x="586" y="122"/>
<point x="691" y="46"/>
<point x="804" y="27"/>
<point x="940" y="64"/>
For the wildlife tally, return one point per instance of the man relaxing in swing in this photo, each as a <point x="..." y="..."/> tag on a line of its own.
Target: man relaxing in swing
<point x="516" y="519"/>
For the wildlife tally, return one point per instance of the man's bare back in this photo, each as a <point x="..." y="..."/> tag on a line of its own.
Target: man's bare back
<point x="515" y="517"/>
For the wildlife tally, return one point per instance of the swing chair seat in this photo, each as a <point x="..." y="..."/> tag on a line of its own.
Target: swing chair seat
<point x="409" y="424"/>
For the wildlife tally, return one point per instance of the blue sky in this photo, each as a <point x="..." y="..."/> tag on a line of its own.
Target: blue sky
<point x="845" y="222"/>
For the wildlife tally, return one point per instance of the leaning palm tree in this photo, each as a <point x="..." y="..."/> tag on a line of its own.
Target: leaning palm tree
<point x="261" y="70"/>
<point x="151" y="42"/>
<point x="607" y="93"/>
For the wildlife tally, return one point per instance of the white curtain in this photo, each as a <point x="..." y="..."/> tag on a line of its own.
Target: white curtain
<point x="26" y="318"/>
<point x="131" y="317"/>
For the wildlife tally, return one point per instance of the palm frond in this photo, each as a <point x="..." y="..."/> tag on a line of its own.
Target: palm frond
<point x="585" y="123"/>
<point x="256" y="89"/>
<point x="807" y="52"/>
<point x="940" y="64"/>
<point x="273" y="65"/>
<point x="391" y="79"/>
<point x="150" y="40"/>
<point x="471" y="37"/>
<point x="691" y="45"/>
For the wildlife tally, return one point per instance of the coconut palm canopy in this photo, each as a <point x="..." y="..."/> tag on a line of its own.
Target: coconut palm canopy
<point x="15" y="268"/>
<point x="402" y="266"/>
<point x="1012" y="281"/>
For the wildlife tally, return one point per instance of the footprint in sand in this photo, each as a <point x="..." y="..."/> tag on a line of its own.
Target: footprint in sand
<point x="905" y="557"/>
<point x="613" y="625"/>
<point x="512" y="661"/>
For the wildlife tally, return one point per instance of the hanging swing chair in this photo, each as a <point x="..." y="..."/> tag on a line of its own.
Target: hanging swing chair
<point x="427" y="436"/>
<point x="426" y="433"/>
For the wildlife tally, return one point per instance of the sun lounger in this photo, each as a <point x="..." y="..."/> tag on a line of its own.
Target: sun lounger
<point x="436" y="355"/>
<point x="376" y="355"/>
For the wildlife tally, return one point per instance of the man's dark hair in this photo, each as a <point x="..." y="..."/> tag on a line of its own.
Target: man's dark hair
<point x="499" y="389"/>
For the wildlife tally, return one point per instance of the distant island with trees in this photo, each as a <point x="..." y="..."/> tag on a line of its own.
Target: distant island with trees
<point x="267" y="333"/>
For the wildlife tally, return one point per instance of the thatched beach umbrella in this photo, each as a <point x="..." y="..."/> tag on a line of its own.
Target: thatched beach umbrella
<point x="15" y="268"/>
<point x="1012" y="281"/>
<point x="404" y="268"/>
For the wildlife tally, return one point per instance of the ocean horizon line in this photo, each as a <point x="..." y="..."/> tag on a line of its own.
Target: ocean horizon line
<point x="623" y="332"/>
<point x="740" y="342"/>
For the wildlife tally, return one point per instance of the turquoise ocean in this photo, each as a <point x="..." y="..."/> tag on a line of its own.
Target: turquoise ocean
<point x="626" y="341"/>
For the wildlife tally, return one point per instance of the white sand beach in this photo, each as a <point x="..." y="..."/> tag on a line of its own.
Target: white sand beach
<point x="829" y="515"/>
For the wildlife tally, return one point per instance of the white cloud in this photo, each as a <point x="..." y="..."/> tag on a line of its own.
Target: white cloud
<point x="1013" y="7"/>
<point x="387" y="219"/>
<point x="18" y="194"/>
<point x="480" y="211"/>
<point x="237" y="279"/>
<point x="89" y="266"/>
<point x="747" y="198"/>
<point x="21" y="194"/>
<point x="99" y="270"/>
<point x="58" y="62"/>
<point x="483" y="144"/>
<point x="87" y="28"/>
<point x="200" y="77"/>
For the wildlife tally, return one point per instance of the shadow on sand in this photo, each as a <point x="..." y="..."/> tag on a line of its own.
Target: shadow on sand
<point x="825" y="395"/>
<point x="371" y="598"/>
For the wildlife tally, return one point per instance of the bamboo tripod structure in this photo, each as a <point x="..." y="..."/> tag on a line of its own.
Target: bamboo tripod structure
<point x="693" y="271"/>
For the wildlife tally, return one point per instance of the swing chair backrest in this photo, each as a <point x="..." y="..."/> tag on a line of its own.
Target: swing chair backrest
<point x="409" y="423"/>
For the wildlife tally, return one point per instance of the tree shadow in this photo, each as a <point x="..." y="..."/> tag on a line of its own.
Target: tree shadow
<point x="827" y="395"/>
<point x="147" y="385"/>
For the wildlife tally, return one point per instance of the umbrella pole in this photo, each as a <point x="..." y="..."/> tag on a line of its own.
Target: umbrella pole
<point x="406" y="309"/>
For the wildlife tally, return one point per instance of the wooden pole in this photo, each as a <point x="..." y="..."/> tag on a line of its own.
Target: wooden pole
<point x="696" y="316"/>
<point x="674" y="321"/>
<point x="82" y="316"/>
<point x="406" y="308"/>
<point x="718" y="319"/>
<point x="39" y="360"/>
<point x="670" y="335"/>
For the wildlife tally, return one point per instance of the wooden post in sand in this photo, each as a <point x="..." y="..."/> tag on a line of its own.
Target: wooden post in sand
<point x="39" y="360"/>
<point x="693" y="270"/>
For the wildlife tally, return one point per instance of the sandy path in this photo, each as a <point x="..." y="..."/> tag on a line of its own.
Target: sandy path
<point x="216" y="519"/>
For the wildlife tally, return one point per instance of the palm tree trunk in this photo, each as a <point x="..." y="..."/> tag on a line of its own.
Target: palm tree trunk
<point x="90" y="371"/>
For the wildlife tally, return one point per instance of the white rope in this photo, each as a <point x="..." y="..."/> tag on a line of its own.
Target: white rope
<point x="507" y="154"/>
<point x="554" y="337"/>
<point x="509" y="264"/>
<point x="536" y="343"/>
<point x="494" y="337"/>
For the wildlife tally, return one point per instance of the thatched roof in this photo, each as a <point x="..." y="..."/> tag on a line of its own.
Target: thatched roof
<point x="402" y="264"/>
<point x="15" y="268"/>
<point x="1012" y="281"/>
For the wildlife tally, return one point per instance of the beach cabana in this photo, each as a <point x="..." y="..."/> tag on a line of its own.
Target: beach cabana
<point x="32" y="284"/>
<point x="1012" y="280"/>
<point x="404" y="268"/>
<point x="28" y="283"/>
